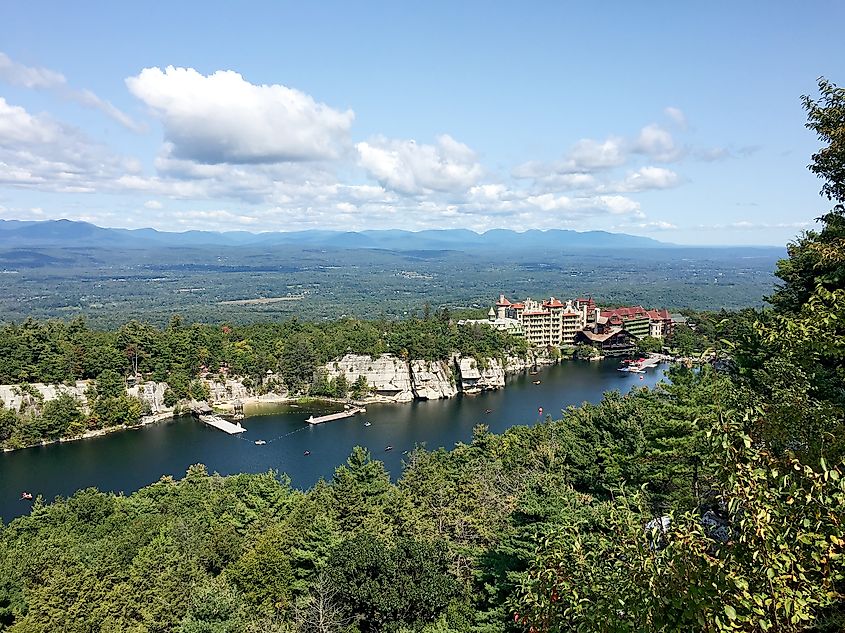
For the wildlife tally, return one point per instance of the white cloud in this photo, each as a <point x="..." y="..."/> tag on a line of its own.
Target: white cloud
<point x="590" y="155"/>
<point x="39" y="153"/>
<point x="28" y="76"/>
<point x="37" y="78"/>
<point x="153" y="204"/>
<point x="617" y="205"/>
<point x="409" y="167"/>
<point x="647" y="178"/>
<point x="18" y="127"/>
<point x="656" y="142"/>
<point x="584" y="158"/>
<point x="222" y="118"/>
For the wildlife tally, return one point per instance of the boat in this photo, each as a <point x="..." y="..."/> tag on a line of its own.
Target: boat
<point x="488" y="411"/>
<point x="533" y="373"/>
<point x="631" y="370"/>
<point x="306" y="453"/>
<point x="367" y="423"/>
<point x="260" y="442"/>
<point x="388" y="448"/>
<point x="26" y="496"/>
<point x="536" y="382"/>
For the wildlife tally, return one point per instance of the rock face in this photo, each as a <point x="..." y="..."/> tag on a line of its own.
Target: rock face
<point x="431" y="380"/>
<point x="534" y="358"/>
<point x="389" y="377"/>
<point x="13" y="395"/>
<point x="474" y="378"/>
<point x="229" y="390"/>
<point x="152" y="393"/>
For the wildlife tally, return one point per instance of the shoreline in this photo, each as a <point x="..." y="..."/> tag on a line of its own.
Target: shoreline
<point x="227" y="406"/>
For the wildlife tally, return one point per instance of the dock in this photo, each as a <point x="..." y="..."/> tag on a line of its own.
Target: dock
<point x="648" y="363"/>
<point x="232" y="428"/>
<point x="348" y="413"/>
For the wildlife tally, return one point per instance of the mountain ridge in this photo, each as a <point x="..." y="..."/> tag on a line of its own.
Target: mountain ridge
<point x="63" y="232"/>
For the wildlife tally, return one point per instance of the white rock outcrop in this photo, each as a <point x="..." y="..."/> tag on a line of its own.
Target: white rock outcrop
<point x="152" y="393"/>
<point x="230" y="389"/>
<point x="431" y="380"/>
<point x="387" y="375"/>
<point x="13" y="395"/>
<point x="474" y="378"/>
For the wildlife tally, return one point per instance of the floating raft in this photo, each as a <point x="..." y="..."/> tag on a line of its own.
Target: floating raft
<point x="232" y="428"/>
<point x="348" y="413"/>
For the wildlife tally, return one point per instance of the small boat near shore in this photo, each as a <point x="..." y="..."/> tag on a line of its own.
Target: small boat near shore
<point x="26" y="496"/>
<point x="260" y="442"/>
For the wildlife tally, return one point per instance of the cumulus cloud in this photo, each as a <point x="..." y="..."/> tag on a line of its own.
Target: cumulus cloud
<point x="590" y="155"/>
<point x="40" y="153"/>
<point x="657" y="143"/>
<point x="37" y="78"/>
<point x="222" y="118"/>
<point x="409" y="167"/>
<point x="647" y="178"/>
<point x="585" y="157"/>
<point x="153" y="204"/>
<point x="17" y="126"/>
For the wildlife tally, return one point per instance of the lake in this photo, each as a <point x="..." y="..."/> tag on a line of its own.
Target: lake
<point x="127" y="460"/>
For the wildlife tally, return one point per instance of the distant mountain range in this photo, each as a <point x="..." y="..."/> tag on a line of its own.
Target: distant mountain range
<point x="68" y="233"/>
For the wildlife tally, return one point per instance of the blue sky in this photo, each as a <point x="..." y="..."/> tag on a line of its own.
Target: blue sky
<point x="681" y="121"/>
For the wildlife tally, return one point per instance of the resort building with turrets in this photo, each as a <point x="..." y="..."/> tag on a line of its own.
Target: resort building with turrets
<point x="555" y="323"/>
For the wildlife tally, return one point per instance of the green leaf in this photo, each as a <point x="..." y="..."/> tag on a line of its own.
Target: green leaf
<point x="730" y="612"/>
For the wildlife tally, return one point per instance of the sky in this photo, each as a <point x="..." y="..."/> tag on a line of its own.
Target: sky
<point x="678" y="121"/>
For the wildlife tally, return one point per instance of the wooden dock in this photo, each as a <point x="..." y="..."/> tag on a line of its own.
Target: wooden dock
<point x="232" y="428"/>
<point x="348" y="413"/>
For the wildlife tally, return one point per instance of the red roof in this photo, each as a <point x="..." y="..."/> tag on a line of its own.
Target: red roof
<point x="521" y="306"/>
<point x="637" y="312"/>
<point x="554" y="303"/>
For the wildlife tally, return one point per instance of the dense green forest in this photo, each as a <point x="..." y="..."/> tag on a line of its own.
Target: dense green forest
<point x="714" y="503"/>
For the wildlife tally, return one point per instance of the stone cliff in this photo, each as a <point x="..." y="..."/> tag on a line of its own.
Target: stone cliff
<point x="388" y="376"/>
<point x="13" y="396"/>
<point x="431" y="380"/>
<point x="475" y="378"/>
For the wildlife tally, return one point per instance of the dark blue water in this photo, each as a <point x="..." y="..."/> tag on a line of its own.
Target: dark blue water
<point x="128" y="460"/>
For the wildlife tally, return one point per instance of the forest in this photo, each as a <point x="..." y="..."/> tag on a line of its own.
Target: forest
<point x="711" y="503"/>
